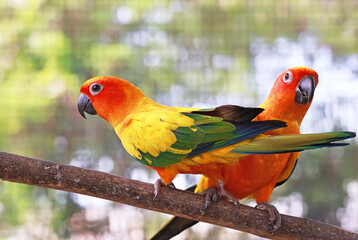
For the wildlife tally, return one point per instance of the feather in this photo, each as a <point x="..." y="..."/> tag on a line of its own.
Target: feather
<point x="242" y="132"/>
<point x="293" y="143"/>
<point x="232" y="113"/>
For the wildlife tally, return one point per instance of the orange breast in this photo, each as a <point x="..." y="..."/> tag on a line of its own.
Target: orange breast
<point x="251" y="175"/>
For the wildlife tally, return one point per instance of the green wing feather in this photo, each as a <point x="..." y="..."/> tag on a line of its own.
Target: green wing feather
<point x="162" y="138"/>
<point x="294" y="143"/>
<point x="205" y="129"/>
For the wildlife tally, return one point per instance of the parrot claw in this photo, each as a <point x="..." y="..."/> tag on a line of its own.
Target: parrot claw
<point x="210" y="195"/>
<point x="224" y="193"/>
<point x="275" y="216"/>
<point x="158" y="184"/>
<point x="213" y="194"/>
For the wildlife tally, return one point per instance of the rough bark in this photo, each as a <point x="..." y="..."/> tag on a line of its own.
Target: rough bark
<point x="20" y="169"/>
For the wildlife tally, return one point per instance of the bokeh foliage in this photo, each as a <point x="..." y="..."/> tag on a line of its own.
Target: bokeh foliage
<point x="188" y="53"/>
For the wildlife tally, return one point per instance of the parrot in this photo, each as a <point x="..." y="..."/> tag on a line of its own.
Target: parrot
<point x="255" y="176"/>
<point x="173" y="140"/>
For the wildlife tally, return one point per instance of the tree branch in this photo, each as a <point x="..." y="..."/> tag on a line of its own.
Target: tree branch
<point x="20" y="169"/>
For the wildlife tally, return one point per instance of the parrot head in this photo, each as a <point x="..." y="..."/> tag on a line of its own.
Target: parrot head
<point x="110" y="97"/>
<point x="292" y="93"/>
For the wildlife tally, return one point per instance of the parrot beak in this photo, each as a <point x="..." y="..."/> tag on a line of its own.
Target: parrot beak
<point x="85" y="105"/>
<point x="305" y="90"/>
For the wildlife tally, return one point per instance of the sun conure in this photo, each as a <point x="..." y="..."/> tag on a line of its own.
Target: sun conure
<point x="175" y="140"/>
<point x="255" y="176"/>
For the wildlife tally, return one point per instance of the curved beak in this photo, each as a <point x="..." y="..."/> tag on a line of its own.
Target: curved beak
<point x="305" y="90"/>
<point x="85" y="105"/>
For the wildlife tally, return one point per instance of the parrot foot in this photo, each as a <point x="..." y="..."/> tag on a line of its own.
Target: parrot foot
<point x="158" y="184"/>
<point x="275" y="216"/>
<point x="213" y="194"/>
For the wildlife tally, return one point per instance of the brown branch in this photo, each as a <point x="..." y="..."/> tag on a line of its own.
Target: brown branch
<point x="15" y="168"/>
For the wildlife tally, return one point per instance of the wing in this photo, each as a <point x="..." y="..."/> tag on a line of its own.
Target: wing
<point x="163" y="137"/>
<point x="232" y="113"/>
<point x="241" y="118"/>
<point x="288" y="170"/>
<point x="160" y="138"/>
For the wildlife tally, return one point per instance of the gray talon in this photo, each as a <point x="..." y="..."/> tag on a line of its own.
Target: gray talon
<point x="158" y="184"/>
<point x="274" y="215"/>
<point x="214" y="194"/>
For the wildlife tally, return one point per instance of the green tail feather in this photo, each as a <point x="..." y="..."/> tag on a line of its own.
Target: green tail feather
<point x="294" y="143"/>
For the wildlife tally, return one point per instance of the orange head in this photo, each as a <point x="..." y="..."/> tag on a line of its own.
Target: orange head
<point x="291" y="94"/>
<point x="110" y="97"/>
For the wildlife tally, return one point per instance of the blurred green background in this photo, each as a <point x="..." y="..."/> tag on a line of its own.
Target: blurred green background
<point x="180" y="53"/>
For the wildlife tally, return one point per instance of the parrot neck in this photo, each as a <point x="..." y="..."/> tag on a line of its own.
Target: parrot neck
<point x="134" y="103"/>
<point x="292" y="114"/>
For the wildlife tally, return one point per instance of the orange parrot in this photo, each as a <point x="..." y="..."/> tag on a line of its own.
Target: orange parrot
<point x="255" y="176"/>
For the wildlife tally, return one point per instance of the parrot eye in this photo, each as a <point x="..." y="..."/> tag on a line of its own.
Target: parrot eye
<point x="95" y="88"/>
<point x="287" y="78"/>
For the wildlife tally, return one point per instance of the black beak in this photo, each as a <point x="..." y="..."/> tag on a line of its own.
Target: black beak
<point x="305" y="90"/>
<point x="85" y="105"/>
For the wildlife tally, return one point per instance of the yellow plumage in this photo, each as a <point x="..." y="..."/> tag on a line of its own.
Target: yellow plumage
<point x="153" y="133"/>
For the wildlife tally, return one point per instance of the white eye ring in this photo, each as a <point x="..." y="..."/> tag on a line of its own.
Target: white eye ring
<point x="95" y="88"/>
<point x="287" y="78"/>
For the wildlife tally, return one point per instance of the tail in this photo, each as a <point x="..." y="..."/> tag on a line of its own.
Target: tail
<point x="175" y="225"/>
<point x="293" y="143"/>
